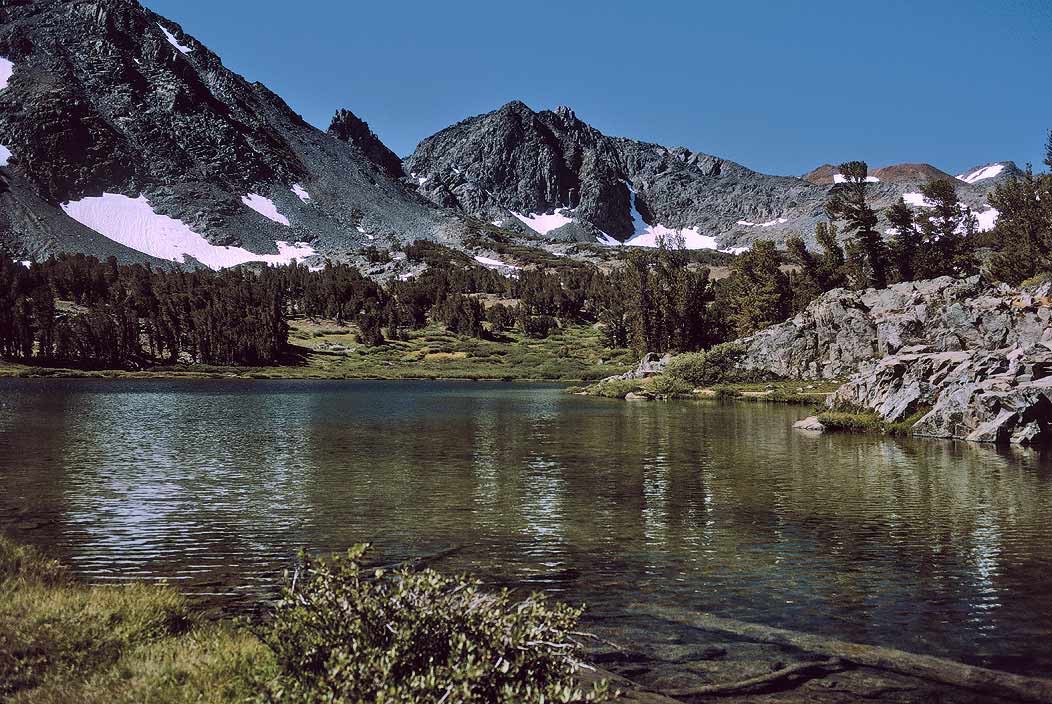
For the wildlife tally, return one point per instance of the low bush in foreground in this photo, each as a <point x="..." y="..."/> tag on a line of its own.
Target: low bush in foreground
<point x="614" y="388"/>
<point x="338" y="635"/>
<point x="343" y="634"/>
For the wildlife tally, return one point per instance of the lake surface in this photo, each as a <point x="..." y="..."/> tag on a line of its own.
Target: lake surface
<point x="936" y="547"/>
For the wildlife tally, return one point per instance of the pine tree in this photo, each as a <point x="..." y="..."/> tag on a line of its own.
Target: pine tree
<point x="757" y="292"/>
<point x="1024" y="227"/>
<point x="906" y="243"/>
<point x="848" y="202"/>
<point x="948" y="228"/>
<point x="806" y="286"/>
<point x="831" y="266"/>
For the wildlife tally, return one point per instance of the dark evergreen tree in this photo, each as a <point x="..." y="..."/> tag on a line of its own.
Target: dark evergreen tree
<point x="1023" y="233"/>
<point x="905" y="244"/>
<point x="848" y="202"/>
<point x="948" y="229"/>
<point x="757" y="293"/>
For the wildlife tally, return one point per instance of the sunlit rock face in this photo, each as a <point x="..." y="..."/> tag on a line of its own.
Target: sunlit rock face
<point x="975" y="356"/>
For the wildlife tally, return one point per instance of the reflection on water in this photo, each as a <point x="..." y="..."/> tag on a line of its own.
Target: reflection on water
<point x="937" y="547"/>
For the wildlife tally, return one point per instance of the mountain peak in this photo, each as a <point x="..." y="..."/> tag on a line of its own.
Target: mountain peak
<point x="516" y="106"/>
<point x="348" y="127"/>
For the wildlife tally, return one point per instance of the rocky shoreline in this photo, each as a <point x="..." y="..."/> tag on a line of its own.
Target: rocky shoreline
<point x="951" y="358"/>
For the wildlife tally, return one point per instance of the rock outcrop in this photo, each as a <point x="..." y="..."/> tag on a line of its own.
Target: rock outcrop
<point x="650" y="365"/>
<point x="974" y="357"/>
<point x="999" y="396"/>
<point x="842" y="329"/>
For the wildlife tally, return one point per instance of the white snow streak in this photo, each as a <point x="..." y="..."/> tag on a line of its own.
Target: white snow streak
<point x="6" y="69"/>
<point x="769" y="223"/>
<point x="653" y="235"/>
<point x="133" y="223"/>
<point x="543" y="223"/>
<point x="494" y="263"/>
<point x="173" y="41"/>
<point x="265" y="207"/>
<point x="300" y="192"/>
<point x="841" y="178"/>
<point x="606" y="240"/>
<point x="917" y="200"/>
<point x="985" y="172"/>
<point x="656" y="234"/>
<point x="985" y="219"/>
<point x="5" y="154"/>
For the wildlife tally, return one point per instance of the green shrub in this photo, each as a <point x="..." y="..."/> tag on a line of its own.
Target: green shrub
<point x="717" y="365"/>
<point x="855" y="420"/>
<point x="727" y="393"/>
<point x="851" y="422"/>
<point x="691" y="367"/>
<point x="615" y="388"/>
<point x="341" y="635"/>
<point x="667" y="386"/>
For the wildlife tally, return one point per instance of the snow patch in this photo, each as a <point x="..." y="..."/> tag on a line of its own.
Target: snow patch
<point x="544" y="224"/>
<point x="300" y="192"/>
<point x="133" y="223"/>
<point x="265" y="207"/>
<point x="494" y="263"/>
<point x="173" y="41"/>
<point x="917" y="200"/>
<point x="653" y="235"/>
<point x="769" y="223"/>
<point x="5" y="154"/>
<point x="606" y="240"/>
<point x="982" y="173"/>
<point x="841" y="178"/>
<point x="26" y="264"/>
<point x="987" y="218"/>
<point x="736" y="250"/>
<point x="6" y="69"/>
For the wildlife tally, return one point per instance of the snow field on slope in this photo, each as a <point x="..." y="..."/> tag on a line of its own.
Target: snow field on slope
<point x="133" y="223"/>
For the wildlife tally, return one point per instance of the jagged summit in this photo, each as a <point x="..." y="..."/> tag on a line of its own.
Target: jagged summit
<point x="128" y="136"/>
<point x="348" y="127"/>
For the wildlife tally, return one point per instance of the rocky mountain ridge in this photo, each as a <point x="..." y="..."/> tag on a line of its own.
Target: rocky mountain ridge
<point x="129" y="137"/>
<point x="559" y="176"/>
<point x="120" y="134"/>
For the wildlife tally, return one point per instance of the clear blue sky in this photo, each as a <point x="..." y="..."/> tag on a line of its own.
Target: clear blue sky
<point x="780" y="86"/>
